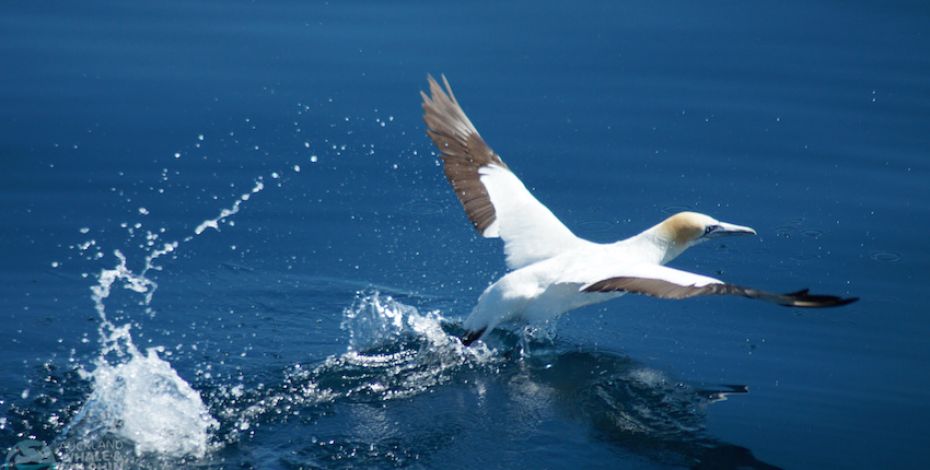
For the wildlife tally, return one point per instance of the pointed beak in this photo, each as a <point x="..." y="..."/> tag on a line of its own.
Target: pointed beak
<point x="733" y="229"/>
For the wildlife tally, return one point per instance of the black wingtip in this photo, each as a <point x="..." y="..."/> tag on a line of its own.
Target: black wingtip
<point x="472" y="336"/>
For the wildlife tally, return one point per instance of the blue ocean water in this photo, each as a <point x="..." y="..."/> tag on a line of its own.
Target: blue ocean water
<point x="226" y="240"/>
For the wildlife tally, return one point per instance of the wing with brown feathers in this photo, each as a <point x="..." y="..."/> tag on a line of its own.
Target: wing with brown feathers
<point x="666" y="289"/>
<point x="495" y="200"/>
<point x="463" y="152"/>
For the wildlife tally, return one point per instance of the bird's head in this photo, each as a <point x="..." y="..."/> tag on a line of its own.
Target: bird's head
<point x="686" y="229"/>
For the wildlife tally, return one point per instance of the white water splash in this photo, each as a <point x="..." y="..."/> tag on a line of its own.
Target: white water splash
<point x="146" y="402"/>
<point x="394" y="351"/>
<point x="138" y="396"/>
<point x="214" y="223"/>
<point x="375" y="321"/>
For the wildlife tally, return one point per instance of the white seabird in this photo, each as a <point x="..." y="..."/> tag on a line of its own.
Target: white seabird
<point x="553" y="271"/>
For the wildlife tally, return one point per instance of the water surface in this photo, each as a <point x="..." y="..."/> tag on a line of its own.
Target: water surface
<point x="314" y="325"/>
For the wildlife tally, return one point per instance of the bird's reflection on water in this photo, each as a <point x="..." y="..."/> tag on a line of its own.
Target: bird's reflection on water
<point x="637" y="408"/>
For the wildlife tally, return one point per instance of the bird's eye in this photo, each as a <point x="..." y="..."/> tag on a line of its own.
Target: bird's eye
<point x="710" y="228"/>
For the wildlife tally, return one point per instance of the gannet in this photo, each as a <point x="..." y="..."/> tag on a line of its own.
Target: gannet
<point x="551" y="270"/>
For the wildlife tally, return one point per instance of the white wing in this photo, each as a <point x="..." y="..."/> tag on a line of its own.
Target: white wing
<point x="495" y="200"/>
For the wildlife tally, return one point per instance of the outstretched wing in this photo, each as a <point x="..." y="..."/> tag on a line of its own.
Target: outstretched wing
<point x="667" y="283"/>
<point x="495" y="200"/>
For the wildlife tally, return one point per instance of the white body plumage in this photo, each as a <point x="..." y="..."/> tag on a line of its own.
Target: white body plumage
<point x="554" y="271"/>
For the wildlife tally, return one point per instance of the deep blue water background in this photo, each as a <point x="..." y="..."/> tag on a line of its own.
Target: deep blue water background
<point x="809" y="121"/>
